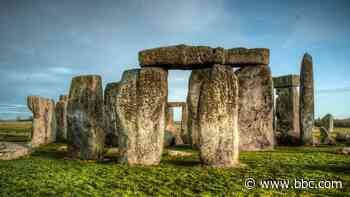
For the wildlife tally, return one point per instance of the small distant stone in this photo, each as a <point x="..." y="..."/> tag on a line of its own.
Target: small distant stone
<point x="343" y="151"/>
<point x="11" y="151"/>
<point x="176" y="153"/>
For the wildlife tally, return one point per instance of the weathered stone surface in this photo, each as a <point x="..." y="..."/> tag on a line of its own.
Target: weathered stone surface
<point x="169" y="138"/>
<point x="170" y="130"/>
<point x="141" y="115"/>
<point x="176" y="153"/>
<point x="255" y="108"/>
<point x="188" y="57"/>
<point x="111" y="130"/>
<point x="218" y="118"/>
<point x="327" y="122"/>
<point x="44" y="120"/>
<point x="343" y="151"/>
<point x="85" y="112"/>
<point x="61" y="117"/>
<point x="195" y="83"/>
<point x="181" y="135"/>
<point x="286" y="81"/>
<point x="10" y="150"/>
<point x="287" y="116"/>
<point x="343" y="138"/>
<point x="325" y="137"/>
<point x="306" y="99"/>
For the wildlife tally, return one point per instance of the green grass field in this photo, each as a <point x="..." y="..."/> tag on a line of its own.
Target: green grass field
<point x="48" y="172"/>
<point x="15" y="131"/>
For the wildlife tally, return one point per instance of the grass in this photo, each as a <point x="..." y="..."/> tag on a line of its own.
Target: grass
<point x="47" y="172"/>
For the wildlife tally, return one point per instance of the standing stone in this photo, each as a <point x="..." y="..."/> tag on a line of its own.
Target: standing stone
<point x="111" y="130"/>
<point x="255" y="108"/>
<point x="218" y="118"/>
<point x="85" y="118"/>
<point x="44" y="120"/>
<point x="61" y="116"/>
<point x="325" y="137"/>
<point x="195" y="83"/>
<point x="170" y="130"/>
<point x="306" y="100"/>
<point x="287" y="110"/>
<point x="327" y="122"/>
<point x="141" y="115"/>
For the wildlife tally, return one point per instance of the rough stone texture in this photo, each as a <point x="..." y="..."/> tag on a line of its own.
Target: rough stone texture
<point x="255" y="108"/>
<point x="195" y="83"/>
<point x="343" y="138"/>
<point x="141" y="115"/>
<point x="343" y="151"/>
<point x="327" y="122"/>
<point x="286" y="81"/>
<point x="325" y="137"/>
<point x="306" y="100"/>
<point x="10" y="150"/>
<point x="61" y="117"/>
<point x="44" y="120"/>
<point x="188" y="57"/>
<point x="287" y="116"/>
<point x="85" y="118"/>
<point x="181" y="135"/>
<point x="111" y="130"/>
<point x="176" y="153"/>
<point x="218" y="118"/>
<point x="170" y="130"/>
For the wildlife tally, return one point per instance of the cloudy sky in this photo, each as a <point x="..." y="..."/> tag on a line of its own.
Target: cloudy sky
<point x="44" y="43"/>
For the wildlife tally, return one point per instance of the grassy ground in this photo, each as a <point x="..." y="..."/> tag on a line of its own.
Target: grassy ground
<point x="47" y="172"/>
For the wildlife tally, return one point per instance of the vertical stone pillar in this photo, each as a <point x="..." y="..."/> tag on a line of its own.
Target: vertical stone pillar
<point x="194" y="87"/>
<point x="85" y="113"/>
<point x="111" y="130"/>
<point x="141" y="115"/>
<point x="306" y="100"/>
<point x="287" y="109"/>
<point x="184" y="124"/>
<point x="44" y="120"/>
<point x="218" y="118"/>
<point x="255" y="108"/>
<point x="327" y="122"/>
<point x="61" y="116"/>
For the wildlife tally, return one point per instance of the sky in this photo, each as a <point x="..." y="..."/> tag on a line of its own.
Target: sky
<point x="44" y="43"/>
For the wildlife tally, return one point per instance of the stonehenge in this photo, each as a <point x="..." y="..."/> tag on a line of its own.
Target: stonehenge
<point x="306" y="100"/>
<point x="218" y="118"/>
<point x="85" y="112"/>
<point x="327" y="122"/>
<point x="141" y="115"/>
<point x="287" y="109"/>
<point x="44" y="120"/>
<point x="227" y="109"/>
<point x="255" y="114"/>
<point x="61" y="117"/>
<point x="111" y="132"/>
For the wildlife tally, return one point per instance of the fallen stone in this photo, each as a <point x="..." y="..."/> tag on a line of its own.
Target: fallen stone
<point x="141" y="115"/>
<point x="255" y="108"/>
<point x="44" y="120"/>
<point x="306" y="99"/>
<point x="190" y="57"/>
<point x="218" y="118"/>
<point x="343" y="151"/>
<point x="111" y="130"/>
<point x="85" y="118"/>
<point x="61" y="117"/>
<point x="195" y="83"/>
<point x="343" y="137"/>
<point x="11" y="151"/>
<point x="176" y="153"/>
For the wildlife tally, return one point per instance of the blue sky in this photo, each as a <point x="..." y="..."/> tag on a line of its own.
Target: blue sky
<point x="44" y="43"/>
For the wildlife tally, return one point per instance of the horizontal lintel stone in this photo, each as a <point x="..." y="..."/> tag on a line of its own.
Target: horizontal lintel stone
<point x="192" y="57"/>
<point x="286" y="81"/>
